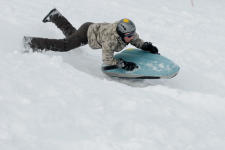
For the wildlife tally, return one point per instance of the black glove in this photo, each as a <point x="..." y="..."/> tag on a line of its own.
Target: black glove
<point x="147" y="46"/>
<point x="129" y="66"/>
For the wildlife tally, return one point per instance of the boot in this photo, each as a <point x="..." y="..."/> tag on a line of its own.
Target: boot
<point x="48" y="17"/>
<point x="27" y="44"/>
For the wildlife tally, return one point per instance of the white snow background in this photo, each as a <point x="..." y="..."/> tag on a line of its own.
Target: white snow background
<point x="62" y="101"/>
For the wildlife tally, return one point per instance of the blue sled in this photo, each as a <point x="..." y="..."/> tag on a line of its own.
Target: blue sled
<point x="150" y="66"/>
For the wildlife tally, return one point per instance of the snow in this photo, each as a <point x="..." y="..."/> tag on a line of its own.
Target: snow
<point x="63" y="101"/>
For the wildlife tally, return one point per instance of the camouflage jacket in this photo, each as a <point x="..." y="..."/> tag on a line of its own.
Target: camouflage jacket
<point x="104" y="36"/>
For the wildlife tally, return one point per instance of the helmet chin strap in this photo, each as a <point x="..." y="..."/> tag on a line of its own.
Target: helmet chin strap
<point x="122" y="38"/>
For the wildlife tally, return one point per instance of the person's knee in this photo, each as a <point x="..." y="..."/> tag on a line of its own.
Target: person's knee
<point x="67" y="48"/>
<point x="70" y="44"/>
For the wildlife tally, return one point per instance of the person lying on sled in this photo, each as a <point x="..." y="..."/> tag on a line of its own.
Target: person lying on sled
<point x="110" y="37"/>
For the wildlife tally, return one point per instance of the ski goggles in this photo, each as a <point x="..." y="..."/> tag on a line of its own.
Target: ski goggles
<point x="129" y="35"/>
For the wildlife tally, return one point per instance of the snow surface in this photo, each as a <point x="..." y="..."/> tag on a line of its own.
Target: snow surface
<point x="62" y="101"/>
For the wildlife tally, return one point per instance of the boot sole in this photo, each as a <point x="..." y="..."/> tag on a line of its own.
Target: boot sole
<point x="45" y="18"/>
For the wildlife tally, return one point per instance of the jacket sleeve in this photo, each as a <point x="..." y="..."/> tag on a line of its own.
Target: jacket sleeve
<point x="137" y="42"/>
<point x="108" y="55"/>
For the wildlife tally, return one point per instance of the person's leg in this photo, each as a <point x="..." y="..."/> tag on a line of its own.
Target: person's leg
<point x="60" y="21"/>
<point x="40" y="44"/>
<point x="80" y="36"/>
<point x="77" y="39"/>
